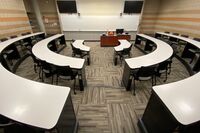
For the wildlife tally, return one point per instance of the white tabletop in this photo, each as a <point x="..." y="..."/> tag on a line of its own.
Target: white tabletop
<point x="33" y="103"/>
<point x="193" y="42"/>
<point x="160" y="54"/>
<point x="41" y="51"/>
<point x="79" y="44"/>
<point x="29" y="102"/>
<point x="182" y="98"/>
<point x="123" y="44"/>
<point x="4" y="44"/>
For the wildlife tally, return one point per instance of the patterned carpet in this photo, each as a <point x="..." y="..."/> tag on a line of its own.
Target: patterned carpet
<point x="105" y="106"/>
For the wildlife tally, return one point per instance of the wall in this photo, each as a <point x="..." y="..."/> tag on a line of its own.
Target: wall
<point x="13" y="18"/>
<point x="32" y="16"/>
<point x="50" y="16"/>
<point x="93" y="21"/>
<point x="149" y="16"/>
<point x="180" y="16"/>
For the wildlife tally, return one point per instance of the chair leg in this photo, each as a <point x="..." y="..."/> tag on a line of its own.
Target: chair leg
<point x="134" y="87"/>
<point x="57" y="79"/>
<point x="88" y="60"/>
<point x="165" y="76"/>
<point x="52" y="79"/>
<point x="169" y="68"/>
<point x="74" y="86"/>
<point x="35" y="68"/>
<point x="42" y="76"/>
<point x="40" y="72"/>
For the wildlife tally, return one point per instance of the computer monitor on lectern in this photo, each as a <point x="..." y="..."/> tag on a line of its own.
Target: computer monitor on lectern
<point x="119" y="31"/>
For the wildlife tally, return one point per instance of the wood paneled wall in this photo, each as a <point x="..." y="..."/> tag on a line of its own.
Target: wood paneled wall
<point x="180" y="16"/>
<point x="13" y="18"/>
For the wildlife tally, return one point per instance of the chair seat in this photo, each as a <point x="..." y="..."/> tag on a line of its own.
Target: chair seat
<point x="162" y="71"/>
<point x="65" y="77"/>
<point x="8" y="51"/>
<point x="144" y="78"/>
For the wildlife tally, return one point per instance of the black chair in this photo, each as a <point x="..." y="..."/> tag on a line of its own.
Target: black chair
<point x="186" y="36"/>
<point x="8" y="52"/>
<point x="163" y="68"/>
<point x="3" y="39"/>
<point x="197" y="39"/>
<point x="23" y="34"/>
<point x="145" y="73"/>
<point x="77" y="52"/>
<point x="14" y="36"/>
<point x="195" y="63"/>
<point x="175" y="34"/>
<point x="126" y="52"/>
<point x="36" y="61"/>
<point x="48" y="70"/>
<point x="5" y="123"/>
<point x="170" y="61"/>
<point x="194" y="50"/>
<point x="65" y="72"/>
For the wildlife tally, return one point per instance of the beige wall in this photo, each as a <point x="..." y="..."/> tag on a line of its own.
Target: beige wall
<point x="150" y="10"/>
<point x="13" y="18"/>
<point x="181" y="16"/>
<point x="50" y="16"/>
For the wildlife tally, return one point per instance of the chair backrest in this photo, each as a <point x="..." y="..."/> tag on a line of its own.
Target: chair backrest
<point x="186" y="36"/>
<point x="73" y="48"/>
<point x="26" y="33"/>
<point x="175" y="34"/>
<point x="163" y="65"/>
<point x="146" y="71"/>
<point x="127" y="50"/>
<point x="64" y="71"/>
<point x="46" y="66"/>
<point x="197" y="39"/>
<point x="167" y="32"/>
<point x="76" y="50"/>
<point x="35" y="60"/>
<point x="3" y="39"/>
<point x="14" y="36"/>
<point x="195" y="60"/>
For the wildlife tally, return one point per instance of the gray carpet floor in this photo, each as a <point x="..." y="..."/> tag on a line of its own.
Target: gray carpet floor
<point x="105" y="106"/>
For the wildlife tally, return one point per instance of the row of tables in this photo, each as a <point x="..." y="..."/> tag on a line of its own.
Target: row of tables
<point x="172" y="106"/>
<point x="38" y="105"/>
<point x="177" y="103"/>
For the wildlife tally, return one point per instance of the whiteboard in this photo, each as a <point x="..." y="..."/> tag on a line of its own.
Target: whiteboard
<point x="99" y="23"/>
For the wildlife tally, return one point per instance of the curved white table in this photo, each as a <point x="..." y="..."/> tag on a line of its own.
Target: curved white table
<point x="29" y="102"/>
<point x="79" y="44"/>
<point x="5" y="44"/>
<point x="123" y="44"/>
<point x="182" y="99"/>
<point x="193" y="42"/>
<point x="42" y="52"/>
<point x="160" y="54"/>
